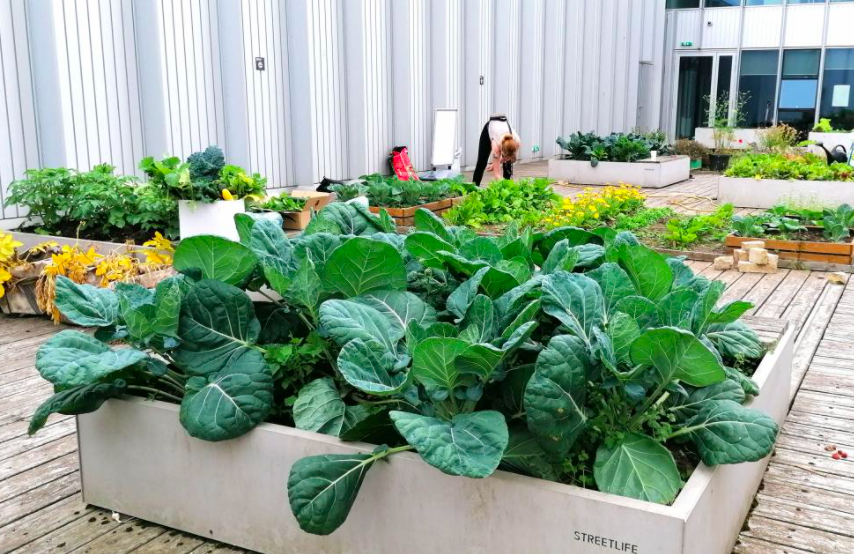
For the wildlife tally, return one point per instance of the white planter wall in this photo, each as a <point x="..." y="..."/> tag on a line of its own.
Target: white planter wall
<point x="706" y="137"/>
<point x="645" y="174"/>
<point x="767" y="193"/>
<point x="343" y="82"/>
<point x="136" y="459"/>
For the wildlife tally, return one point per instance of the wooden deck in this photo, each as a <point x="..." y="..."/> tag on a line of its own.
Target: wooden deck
<point x="806" y="504"/>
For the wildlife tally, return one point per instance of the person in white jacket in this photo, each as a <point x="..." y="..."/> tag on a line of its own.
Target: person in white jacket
<point x="499" y="144"/>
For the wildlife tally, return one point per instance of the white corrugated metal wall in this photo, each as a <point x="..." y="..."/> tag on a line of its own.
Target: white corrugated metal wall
<point x="343" y="80"/>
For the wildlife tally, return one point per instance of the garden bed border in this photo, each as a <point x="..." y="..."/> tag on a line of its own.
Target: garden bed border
<point x="136" y="459"/>
<point x="746" y="192"/>
<point x="664" y="171"/>
<point x="405" y="217"/>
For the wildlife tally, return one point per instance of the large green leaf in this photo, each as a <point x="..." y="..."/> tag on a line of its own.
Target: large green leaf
<point x="322" y="489"/>
<point x="525" y="455"/>
<point x="637" y="467"/>
<point x="318" y="247"/>
<point x="647" y="270"/>
<point x="728" y="389"/>
<point x="729" y="312"/>
<point x="399" y="307"/>
<point x="217" y="324"/>
<point x="86" y="305"/>
<point x="735" y="340"/>
<point x="726" y="432"/>
<point x="268" y="239"/>
<point x="470" y="445"/>
<point x="229" y="403"/>
<point x="320" y="408"/>
<point x="614" y="282"/>
<point x="483" y="249"/>
<point x="561" y="258"/>
<point x="433" y="362"/>
<point x="305" y="288"/>
<point x="482" y="318"/>
<point x="677" y="307"/>
<point x="425" y="220"/>
<point x="217" y="258"/>
<point x="460" y="264"/>
<point x="369" y="367"/>
<point x="362" y="265"/>
<point x="459" y="301"/>
<point x="497" y="281"/>
<point x="167" y="307"/>
<point x="72" y="358"/>
<point x="623" y="330"/>
<point x="705" y="305"/>
<point x="555" y="394"/>
<point x="345" y="320"/>
<point x="575" y="300"/>
<point x="677" y="354"/>
<point x="426" y="247"/>
<point x="573" y="235"/>
<point x="81" y="399"/>
<point x="642" y="310"/>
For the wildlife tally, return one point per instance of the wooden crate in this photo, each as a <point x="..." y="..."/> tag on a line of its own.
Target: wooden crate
<point x="405" y="217"/>
<point x="813" y="251"/>
<point x="297" y="221"/>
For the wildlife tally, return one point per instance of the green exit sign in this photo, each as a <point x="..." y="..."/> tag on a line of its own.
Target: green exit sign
<point x="687" y="43"/>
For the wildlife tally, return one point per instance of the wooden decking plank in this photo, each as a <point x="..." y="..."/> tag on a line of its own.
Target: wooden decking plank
<point x="771" y="536"/>
<point x="767" y="286"/>
<point x="123" y="539"/>
<point x="75" y="534"/>
<point x="46" y="435"/>
<point x="812" y="332"/>
<point x="740" y="287"/>
<point x="38" y="524"/>
<point x="18" y="428"/>
<point x="171" y="542"/>
<point x="37" y="456"/>
<point x="802" y="304"/>
<point x="32" y="478"/>
<point x="811" y="517"/>
<point x="15" y="508"/>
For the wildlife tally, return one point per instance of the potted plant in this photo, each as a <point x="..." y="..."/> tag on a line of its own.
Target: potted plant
<point x="725" y="117"/>
<point x="209" y="192"/>
<point x="569" y="359"/>
<point x="693" y="149"/>
<point x="295" y="207"/>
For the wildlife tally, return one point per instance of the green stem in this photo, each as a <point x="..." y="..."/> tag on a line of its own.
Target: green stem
<point x="176" y="387"/>
<point x="647" y="404"/>
<point x="305" y="320"/>
<point x="661" y="400"/>
<point x="178" y="384"/>
<point x="178" y="377"/>
<point x="152" y="390"/>
<point x="270" y="298"/>
<point x="682" y="431"/>
<point x="386" y="402"/>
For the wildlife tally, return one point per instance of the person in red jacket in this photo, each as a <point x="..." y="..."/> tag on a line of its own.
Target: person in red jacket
<point x="499" y="145"/>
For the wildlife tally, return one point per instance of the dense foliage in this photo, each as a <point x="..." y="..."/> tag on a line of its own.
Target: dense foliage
<point x="97" y="204"/>
<point x="561" y="355"/>
<point x="791" y="223"/>
<point x="387" y="191"/>
<point x="283" y="203"/>
<point x="524" y="201"/>
<point x="616" y="147"/>
<point x="596" y="207"/>
<point x="690" y="148"/>
<point x="204" y="177"/>
<point x="807" y="167"/>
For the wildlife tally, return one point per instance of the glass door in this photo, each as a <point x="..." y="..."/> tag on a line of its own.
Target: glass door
<point x="703" y="80"/>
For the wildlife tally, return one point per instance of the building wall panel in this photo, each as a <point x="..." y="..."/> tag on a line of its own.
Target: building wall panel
<point x="839" y="25"/>
<point x="804" y="25"/>
<point x="721" y="28"/>
<point x="763" y="27"/>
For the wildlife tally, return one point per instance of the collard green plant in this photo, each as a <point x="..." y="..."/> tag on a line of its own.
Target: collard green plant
<point x="616" y="147"/>
<point x="559" y="355"/>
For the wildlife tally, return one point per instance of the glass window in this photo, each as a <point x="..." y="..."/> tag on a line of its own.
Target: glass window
<point x="722" y="3"/>
<point x="724" y="75"/>
<point x="806" y="1"/>
<point x="798" y="89"/>
<point x="842" y="0"/>
<point x="837" y="100"/>
<point x="679" y="4"/>
<point x="763" y="2"/>
<point x="758" y="84"/>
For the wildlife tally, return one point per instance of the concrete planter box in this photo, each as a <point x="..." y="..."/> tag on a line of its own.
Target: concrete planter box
<point x="136" y="459"/>
<point x="101" y="247"/>
<point x="831" y="141"/>
<point x="766" y="193"/>
<point x="214" y="218"/>
<point x="664" y="171"/>
<point x="705" y="136"/>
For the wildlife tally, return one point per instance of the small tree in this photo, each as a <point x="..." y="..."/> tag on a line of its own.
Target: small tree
<point x="725" y="119"/>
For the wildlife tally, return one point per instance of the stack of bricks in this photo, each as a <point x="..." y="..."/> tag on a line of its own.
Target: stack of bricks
<point x="752" y="257"/>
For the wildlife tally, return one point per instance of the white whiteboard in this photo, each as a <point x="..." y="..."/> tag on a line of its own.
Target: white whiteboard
<point x="444" y="137"/>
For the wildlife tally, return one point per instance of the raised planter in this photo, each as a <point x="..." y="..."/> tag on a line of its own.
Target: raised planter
<point x="28" y="240"/>
<point x="742" y="138"/>
<point x="136" y="459"/>
<point x="831" y="141"/>
<point x="813" y="251"/>
<point x="661" y="172"/>
<point x="214" y="218"/>
<point x="405" y="217"/>
<point x="766" y="193"/>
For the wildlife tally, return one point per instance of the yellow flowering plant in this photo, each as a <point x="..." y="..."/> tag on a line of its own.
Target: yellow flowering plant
<point x="8" y="258"/>
<point x="596" y="207"/>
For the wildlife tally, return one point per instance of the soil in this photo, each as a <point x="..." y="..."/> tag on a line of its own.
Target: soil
<point x="653" y="236"/>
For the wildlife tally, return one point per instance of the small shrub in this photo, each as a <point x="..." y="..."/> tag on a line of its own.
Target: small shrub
<point x="691" y="148"/>
<point x="778" y="138"/>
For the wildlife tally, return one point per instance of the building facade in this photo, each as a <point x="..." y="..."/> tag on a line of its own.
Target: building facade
<point x="786" y="61"/>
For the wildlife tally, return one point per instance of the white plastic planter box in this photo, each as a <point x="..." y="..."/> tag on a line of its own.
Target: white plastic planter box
<point x="831" y="141"/>
<point x="664" y="171"/>
<point x="136" y="459"/>
<point x="215" y="218"/>
<point x="742" y="138"/>
<point x="766" y="193"/>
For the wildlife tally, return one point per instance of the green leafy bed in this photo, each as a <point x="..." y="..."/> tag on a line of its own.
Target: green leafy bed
<point x="573" y="356"/>
<point x="387" y="191"/>
<point x="805" y="167"/>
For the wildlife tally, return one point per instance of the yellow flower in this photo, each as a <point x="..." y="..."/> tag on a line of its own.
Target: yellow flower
<point x="7" y="246"/>
<point x="226" y="195"/>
